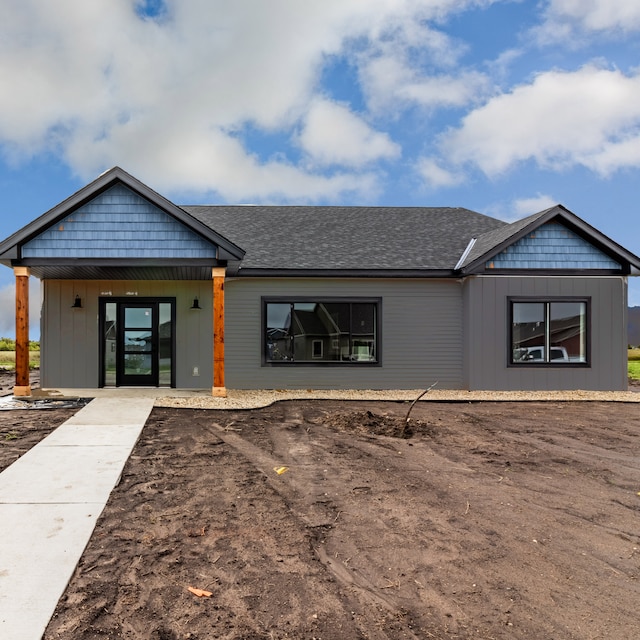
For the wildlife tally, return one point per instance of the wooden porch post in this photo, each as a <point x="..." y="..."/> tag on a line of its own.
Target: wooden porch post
<point x="22" y="386"/>
<point x="219" y="389"/>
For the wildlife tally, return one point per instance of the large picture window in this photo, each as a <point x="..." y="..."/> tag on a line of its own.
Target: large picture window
<point x="550" y="332"/>
<point x="317" y="331"/>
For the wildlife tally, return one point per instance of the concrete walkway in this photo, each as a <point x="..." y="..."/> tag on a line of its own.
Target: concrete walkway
<point x="50" y="500"/>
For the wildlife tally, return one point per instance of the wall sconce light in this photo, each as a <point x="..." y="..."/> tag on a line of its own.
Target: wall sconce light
<point x="77" y="303"/>
<point x="196" y="305"/>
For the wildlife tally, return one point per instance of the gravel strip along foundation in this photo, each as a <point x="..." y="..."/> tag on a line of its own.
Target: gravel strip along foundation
<point x="237" y="399"/>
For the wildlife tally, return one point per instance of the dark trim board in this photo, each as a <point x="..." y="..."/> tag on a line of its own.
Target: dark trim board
<point x="345" y="273"/>
<point x="540" y="273"/>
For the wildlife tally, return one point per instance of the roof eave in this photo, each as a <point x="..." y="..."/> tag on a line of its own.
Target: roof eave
<point x="252" y="272"/>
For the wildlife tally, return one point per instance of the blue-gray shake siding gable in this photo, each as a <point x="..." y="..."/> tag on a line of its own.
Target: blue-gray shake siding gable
<point x="118" y="224"/>
<point x="552" y="246"/>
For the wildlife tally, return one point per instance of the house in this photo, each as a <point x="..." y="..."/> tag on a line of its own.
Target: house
<point x="140" y="291"/>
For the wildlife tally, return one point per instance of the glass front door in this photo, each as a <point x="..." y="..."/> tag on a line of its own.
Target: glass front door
<point x="137" y="347"/>
<point x="137" y="342"/>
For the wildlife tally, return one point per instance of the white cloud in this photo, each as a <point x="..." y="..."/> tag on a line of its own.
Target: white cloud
<point x="98" y="85"/>
<point x="418" y="65"/>
<point x="616" y="155"/>
<point x="392" y="82"/>
<point x="332" y="134"/>
<point x="445" y="90"/>
<point x="590" y="117"/>
<point x="520" y="207"/>
<point x="170" y="99"/>
<point x="527" y="206"/>
<point x="594" y="15"/>
<point x="214" y="159"/>
<point x="435" y="175"/>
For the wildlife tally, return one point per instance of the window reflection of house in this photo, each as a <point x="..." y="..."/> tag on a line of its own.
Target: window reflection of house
<point x="138" y="341"/>
<point x="322" y="331"/>
<point x="166" y="341"/>
<point x="314" y="333"/>
<point x="560" y="324"/>
<point x="110" y="350"/>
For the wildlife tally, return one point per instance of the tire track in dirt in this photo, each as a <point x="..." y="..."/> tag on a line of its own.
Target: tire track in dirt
<point x="376" y="566"/>
<point x="316" y="513"/>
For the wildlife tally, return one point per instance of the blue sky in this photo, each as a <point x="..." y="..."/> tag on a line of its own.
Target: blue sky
<point x="504" y="107"/>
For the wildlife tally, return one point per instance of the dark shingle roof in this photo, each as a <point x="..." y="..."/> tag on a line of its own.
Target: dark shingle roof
<point x="346" y="238"/>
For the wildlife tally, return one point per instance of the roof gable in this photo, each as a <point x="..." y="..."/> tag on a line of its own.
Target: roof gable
<point x="553" y="239"/>
<point x="11" y="248"/>
<point x="552" y="246"/>
<point x="118" y="223"/>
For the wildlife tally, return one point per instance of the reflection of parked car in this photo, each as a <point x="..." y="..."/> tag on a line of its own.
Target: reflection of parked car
<point x="536" y="354"/>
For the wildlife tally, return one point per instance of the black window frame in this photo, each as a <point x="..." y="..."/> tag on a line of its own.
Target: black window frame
<point x="548" y="301"/>
<point x="377" y="303"/>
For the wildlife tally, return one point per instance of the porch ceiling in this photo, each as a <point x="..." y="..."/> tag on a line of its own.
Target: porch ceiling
<point x="131" y="272"/>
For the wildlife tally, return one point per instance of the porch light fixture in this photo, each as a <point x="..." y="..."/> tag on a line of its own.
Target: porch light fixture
<point x="196" y="305"/>
<point x="77" y="303"/>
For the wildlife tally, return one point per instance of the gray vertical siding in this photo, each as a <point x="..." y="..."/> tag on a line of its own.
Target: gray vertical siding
<point x="421" y="331"/>
<point x="70" y="337"/>
<point x="486" y="319"/>
<point x="430" y="330"/>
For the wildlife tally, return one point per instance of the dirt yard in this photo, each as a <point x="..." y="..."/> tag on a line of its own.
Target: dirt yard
<point x="21" y="430"/>
<point x="329" y="520"/>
